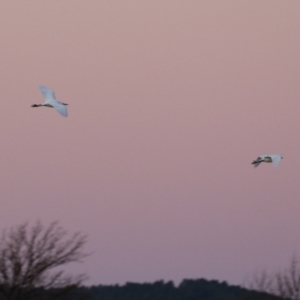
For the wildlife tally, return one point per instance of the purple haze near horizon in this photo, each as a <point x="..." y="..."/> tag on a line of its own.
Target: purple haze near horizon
<point x="169" y="102"/>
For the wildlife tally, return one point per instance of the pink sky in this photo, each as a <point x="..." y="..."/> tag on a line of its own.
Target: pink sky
<point x="169" y="103"/>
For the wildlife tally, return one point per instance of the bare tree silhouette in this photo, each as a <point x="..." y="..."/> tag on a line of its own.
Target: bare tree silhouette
<point x="31" y="257"/>
<point x="285" y="283"/>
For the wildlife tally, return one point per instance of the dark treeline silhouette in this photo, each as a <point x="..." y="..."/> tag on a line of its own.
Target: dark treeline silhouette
<point x="198" y="289"/>
<point x="32" y="257"/>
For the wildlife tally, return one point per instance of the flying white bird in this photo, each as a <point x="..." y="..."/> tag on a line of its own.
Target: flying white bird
<point x="50" y="101"/>
<point x="272" y="158"/>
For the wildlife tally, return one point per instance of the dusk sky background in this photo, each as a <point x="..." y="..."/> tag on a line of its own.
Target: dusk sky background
<point x="169" y="103"/>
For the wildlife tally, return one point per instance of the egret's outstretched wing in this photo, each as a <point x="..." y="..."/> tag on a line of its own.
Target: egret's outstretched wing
<point x="257" y="162"/>
<point x="51" y="100"/>
<point x="61" y="108"/>
<point x="47" y="93"/>
<point x="276" y="158"/>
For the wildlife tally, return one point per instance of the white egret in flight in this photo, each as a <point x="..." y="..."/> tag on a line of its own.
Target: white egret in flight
<point x="50" y="101"/>
<point x="272" y="158"/>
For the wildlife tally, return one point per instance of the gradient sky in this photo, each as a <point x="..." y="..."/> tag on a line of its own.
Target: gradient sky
<point x="169" y="103"/>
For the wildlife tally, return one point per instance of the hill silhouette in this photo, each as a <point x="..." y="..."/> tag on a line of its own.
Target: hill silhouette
<point x="188" y="289"/>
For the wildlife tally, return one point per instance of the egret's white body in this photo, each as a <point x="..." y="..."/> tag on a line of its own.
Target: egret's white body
<point x="269" y="158"/>
<point x="50" y="101"/>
